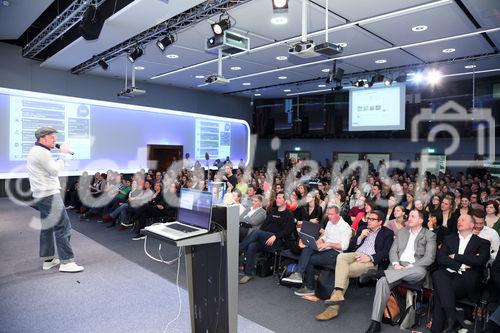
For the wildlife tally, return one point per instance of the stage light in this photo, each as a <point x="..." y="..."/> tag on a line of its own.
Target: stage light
<point x="135" y="54"/>
<point x="377" y="78"/>
<point x="417" y="78"/>
<point x="358" y="84"/>
<point x="401" y="78"/>
<point x="338" y="87"/>
<point x="388" y="82"/>
<point x="165" y="41"/>
<point x="280" y="5"/>
<point x="219" y="27"/>
<point x="433" y="77"/>
<point x="104" y="65"/>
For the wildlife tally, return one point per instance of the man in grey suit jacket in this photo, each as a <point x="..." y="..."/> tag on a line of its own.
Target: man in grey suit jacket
<point x="413" y="251"/>
<point x="252" y="217"/>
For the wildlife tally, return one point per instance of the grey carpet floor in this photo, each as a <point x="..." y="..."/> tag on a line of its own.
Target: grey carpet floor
<point x="118" y="288"/>
<point x="113" y="294"/>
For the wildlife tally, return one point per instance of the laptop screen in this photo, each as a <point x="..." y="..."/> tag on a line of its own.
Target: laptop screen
<point x="195" y="208"/>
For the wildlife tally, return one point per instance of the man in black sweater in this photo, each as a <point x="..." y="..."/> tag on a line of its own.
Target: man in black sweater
<point x="277" y="227"/>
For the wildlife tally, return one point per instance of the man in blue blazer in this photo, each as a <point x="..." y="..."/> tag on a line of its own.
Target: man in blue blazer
<point x="368" y="249"/>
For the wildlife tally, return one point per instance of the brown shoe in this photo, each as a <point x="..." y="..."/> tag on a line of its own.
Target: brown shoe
<point x="107" y="218"/>
<point x="336" y="298"/>
<point x="329" y="313"/>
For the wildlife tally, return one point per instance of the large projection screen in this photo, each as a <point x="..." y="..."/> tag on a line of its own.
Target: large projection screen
<point x="378" y="108"/>
<point x="106" y="135"/>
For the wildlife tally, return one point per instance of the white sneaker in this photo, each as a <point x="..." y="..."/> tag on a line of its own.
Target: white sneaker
<point x="293" y="278"/>
<point x="70" y="267"/>
<point x="49" y="264"/>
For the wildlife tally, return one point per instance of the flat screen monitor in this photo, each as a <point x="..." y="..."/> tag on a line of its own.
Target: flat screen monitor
<point x="195" y="208"/>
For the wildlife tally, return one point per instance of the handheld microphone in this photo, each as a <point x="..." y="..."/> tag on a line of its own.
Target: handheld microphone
<point x="58" y="146"/>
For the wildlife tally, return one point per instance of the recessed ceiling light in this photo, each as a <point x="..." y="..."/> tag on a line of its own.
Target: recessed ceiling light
<point x="279" y="20"/>
<point x="6" y="3"/>
<point x="325" y="70"/>
<point x="172" y="56"/>
<point x="450" y="50"/>
<point x="380" y="61"/>
<point x="287" y="90"/>
<point x="257" y="95"/>
<point x="281" y="58"/>
<point x="246" y="83"/>
<point x="321" y="85"/>
<point x="139" y="68"/>
<point x="235" y="68"/>
<point x="200" y="76"/>
<point x="419" y="28"/>
<point x="282" y="77"/>
<point x="341" y="44"/>
<point x="470" y="66"/>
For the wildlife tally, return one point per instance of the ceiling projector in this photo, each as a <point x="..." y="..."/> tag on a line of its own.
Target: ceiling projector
<point x="216" y="79"/>
<point x="131" y="92"/>
<point x="303" y="49"/>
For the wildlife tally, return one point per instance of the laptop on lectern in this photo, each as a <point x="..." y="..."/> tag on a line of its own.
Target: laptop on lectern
<point x="193" y="218"/>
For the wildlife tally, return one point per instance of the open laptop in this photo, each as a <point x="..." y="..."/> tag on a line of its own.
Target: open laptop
<point x="193" y="218"/>
<point x="310" y="228"/>
<point x="308" y="240"/>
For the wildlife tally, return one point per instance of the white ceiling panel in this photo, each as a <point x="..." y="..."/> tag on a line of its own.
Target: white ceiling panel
<point x="486" y="12"/>
<point x="138" y="16"/>
<point x="398" y="30"/>
<point x="394" y="58"/>
<point x="495" y="37"/>
<point x="468" y="46"/>
<point x="19" y="15"/>
<point x="361" y="9"/>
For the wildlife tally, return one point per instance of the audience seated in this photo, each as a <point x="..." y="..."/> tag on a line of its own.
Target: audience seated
<point x="486" y="233"/>
<point x="334" y="240"/>
<point x="253" y="217"/>
<point x="368" y="249"/>
<point x="412" y="253"/>
<point x="462" y="259"/>
<point x="275" y="232"/>
<point x="440" y="217"/>
<point x="399" y="221"/>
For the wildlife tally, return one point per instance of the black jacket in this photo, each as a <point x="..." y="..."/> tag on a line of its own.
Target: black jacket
<point x="383" y="244"/>
<point x="476" y="255"/>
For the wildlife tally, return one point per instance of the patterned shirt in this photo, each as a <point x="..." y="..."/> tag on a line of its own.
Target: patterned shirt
<point x="368" y="246"/>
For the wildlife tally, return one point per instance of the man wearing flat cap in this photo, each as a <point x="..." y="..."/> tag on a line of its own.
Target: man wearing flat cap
<point x="43" y="173"/>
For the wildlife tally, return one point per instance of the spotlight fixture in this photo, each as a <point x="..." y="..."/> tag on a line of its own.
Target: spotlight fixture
<point x="135" y="54"/>
<point x="219" y="27"/>
<point x="388" y="82"/>
<point x="377" y="78"/>
<point x="165" y="41"/>
<point x="401" y="78"/>
<point x="367" y="84"/>
<point x="104" y="65"/>
<point x="338" y="86"/>
<point x="280" y="5"/>
<point x="358" y="84"/>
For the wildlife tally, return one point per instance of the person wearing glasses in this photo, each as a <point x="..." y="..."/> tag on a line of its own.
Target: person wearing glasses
<point x="367" y="250"/>
<point x="412" y="253"/>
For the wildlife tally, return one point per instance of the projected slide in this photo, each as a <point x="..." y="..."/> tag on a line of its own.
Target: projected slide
<point x="214" y="138"/>
<point x="72" y="122"/>
<point x="106" y="135"/>
<point x="377" y="109"/>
